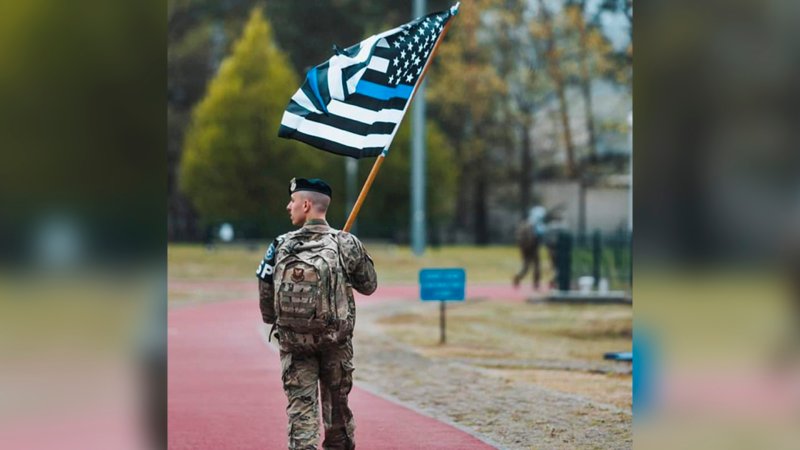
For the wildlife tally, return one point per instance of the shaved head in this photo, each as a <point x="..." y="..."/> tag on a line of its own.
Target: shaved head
<point x="307" y="205"/>
<point x="319" y="201"/>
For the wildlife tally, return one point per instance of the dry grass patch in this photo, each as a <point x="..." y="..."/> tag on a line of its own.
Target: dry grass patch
<point x="514" y="330"/>
<point x="559" y="347"/>
<point x="613" y="389"/>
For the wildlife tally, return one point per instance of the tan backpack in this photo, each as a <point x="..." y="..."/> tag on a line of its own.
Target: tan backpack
<point x="311" y="291"/>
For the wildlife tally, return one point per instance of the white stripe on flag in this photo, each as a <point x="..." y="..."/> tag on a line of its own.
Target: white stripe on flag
<point x="337" y="63"/>
<point x="301" y="99"/>
<point x="334" y="134"/>
<point x="364" y="115"/>
<point x="379" y="64"/>
<point x="335" y="88"/>
<point x="353" y="81"/>
<point x="349" y="111"/>
<point x="375" y="63"/>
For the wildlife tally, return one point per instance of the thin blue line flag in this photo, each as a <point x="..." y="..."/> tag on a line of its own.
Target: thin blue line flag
<point x="352" y="104"/>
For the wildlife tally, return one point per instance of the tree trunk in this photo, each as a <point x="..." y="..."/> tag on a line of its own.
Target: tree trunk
<point x="550" y="53"/>
<point x="462" y="204"/>
<point x="480" y="205"/>
<point x="564" y="112"/>
<point x="526" y="169"/>
<point x="586" y="90"/>
<point x="586" y="87"/>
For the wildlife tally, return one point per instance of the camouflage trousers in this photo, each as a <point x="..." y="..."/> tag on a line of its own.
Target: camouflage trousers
<point x="330" y="368"/>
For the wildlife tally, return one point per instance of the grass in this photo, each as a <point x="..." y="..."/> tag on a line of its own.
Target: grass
<point x="516" y="331"/>
<point x="614" y="265"/>
<point x="552" y="345"/>
<point x="395" y="264"/>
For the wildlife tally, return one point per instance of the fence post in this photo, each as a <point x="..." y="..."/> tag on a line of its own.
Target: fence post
<point x="596" y="254"/>
<point x="629" y="245"/>
<point x="564" y="252"/>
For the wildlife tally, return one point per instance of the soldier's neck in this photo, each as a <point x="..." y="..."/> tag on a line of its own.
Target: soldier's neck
<point x="316" y="221"/>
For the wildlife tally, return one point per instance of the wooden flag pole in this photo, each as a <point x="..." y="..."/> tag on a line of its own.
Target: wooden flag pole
<point x="364" y="190"/>
<point x="379" y="160"/>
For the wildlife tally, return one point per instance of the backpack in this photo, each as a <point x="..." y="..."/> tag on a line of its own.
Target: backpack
<point x="312" y="296"/>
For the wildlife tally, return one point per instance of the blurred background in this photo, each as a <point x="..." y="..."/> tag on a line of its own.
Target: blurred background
<point x="85" y="187"/>
<point x="529" y="104"/>
<point x="528" y="136"/>
<point x="82" y="235"/>
<point x="716" y="207"/>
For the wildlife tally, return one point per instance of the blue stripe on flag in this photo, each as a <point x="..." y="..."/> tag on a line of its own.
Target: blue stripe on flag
<point x="311" y="79"/>
<point x="382" y="92"/>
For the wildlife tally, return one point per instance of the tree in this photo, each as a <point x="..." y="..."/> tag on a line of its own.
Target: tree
<point x="595" y="57"/>
<point x="527" y="88"/>
<point x="464" y="91"/>
<point x="341" y="22"/>
<point x="200" y="33"/>
<point x="548" y="49"/>
<point x="234" y="166"/>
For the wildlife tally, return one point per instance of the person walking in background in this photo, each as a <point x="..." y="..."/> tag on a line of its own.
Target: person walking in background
<point x="306" y="283"/>
<point x="531" y="234"/>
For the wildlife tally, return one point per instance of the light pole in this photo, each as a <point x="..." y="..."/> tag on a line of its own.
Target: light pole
<point x="351" y="174"/>
<point x="630" y="161"/>
<point x="418" y="159"/>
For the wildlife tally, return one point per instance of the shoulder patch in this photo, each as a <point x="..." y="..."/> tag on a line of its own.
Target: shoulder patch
<point x="267" y="266"/>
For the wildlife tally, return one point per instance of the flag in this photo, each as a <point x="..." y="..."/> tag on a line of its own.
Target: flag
<point x="353" y="103"/>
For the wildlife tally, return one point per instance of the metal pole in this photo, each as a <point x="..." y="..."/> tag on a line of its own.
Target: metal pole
<point x="596" y="258"/>
<point x="351" y="172"/>
<point x="379" y="160"/>
<point x="630" y="162"/>
<point x="630" y="203"/>
<point x="418" y="231"/>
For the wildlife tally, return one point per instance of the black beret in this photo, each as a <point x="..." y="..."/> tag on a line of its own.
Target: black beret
<point x="309" y="184"/>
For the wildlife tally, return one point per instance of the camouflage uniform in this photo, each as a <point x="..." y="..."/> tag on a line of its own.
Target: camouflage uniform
<point x="328" y="364"/>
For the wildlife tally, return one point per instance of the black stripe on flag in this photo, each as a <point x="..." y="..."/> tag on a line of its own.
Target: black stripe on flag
<point x="331" y="146"/>
<point x="350" y="125"/>
<point x="375" y="104"/>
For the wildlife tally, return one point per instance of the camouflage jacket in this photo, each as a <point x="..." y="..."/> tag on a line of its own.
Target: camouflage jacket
<point x="359" y="268"/>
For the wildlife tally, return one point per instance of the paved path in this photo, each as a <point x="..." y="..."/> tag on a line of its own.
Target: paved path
<point x="225" y="391"/>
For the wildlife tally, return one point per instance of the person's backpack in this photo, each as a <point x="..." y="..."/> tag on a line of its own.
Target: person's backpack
<point x="311" y="294"/>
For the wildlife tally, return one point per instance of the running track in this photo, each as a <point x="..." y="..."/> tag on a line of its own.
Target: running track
<point x="225" y="390"/>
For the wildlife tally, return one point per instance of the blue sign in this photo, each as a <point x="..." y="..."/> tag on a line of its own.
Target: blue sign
<point x="442" y="284"/>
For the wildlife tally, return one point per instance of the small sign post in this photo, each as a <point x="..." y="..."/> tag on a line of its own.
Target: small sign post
<point x="442" y="285"/>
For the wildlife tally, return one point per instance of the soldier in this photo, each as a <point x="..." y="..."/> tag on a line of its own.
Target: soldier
<point x="306" y="283"/>
<point x="530" y="235"/>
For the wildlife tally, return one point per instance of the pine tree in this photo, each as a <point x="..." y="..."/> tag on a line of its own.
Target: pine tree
<point x="234" y="166"/>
